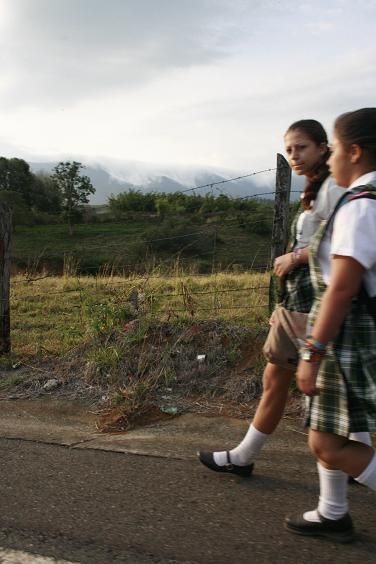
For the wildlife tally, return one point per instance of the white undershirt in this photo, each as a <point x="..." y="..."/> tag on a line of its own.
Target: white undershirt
<point x="322" y="207"/>
<point x="353" y="235"/>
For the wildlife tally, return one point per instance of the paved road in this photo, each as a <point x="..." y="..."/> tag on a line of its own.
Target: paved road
<point x="98" y="507"/>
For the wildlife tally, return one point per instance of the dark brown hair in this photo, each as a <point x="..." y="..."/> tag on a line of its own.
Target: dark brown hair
<point x="315" y="131"/>
<point x="358" y="127"/>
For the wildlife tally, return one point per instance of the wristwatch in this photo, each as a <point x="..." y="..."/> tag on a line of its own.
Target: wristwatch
<point x="310" y="355"/>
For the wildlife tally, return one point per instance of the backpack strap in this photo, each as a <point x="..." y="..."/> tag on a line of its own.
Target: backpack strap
<point x="367" y="191"/>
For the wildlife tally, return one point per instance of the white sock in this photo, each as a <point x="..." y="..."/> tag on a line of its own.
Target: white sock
<point x="246" y="452"/>
<point x="368" y="476"/>
<point x="361" y="437"/>
<point x="333" y="495"/>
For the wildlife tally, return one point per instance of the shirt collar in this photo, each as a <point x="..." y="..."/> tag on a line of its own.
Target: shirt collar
<point x="368" y="178"/>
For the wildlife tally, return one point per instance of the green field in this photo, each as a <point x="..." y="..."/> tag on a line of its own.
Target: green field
<point x="125" y="247"/>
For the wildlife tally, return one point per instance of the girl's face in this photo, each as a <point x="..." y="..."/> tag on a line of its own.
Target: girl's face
<point x="303" y="154"/>
<point x="340" y="163"/>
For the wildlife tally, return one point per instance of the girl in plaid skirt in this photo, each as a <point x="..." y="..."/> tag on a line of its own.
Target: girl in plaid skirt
<point x="337" y="369"/>
<point x="307" y="151"/>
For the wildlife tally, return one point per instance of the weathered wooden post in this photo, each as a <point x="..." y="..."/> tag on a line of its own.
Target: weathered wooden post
<point x="5" y="237"/>
<point x="280" y="228"/>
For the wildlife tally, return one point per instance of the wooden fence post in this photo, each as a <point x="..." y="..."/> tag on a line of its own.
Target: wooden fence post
<point x="5" y="238"/>
<point x="280" y="228"/>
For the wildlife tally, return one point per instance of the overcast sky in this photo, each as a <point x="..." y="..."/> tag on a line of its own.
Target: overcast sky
<point x="209" y="83"/>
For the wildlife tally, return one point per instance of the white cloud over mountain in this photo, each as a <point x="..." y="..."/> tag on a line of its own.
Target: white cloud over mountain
<point x="209" y="84"/>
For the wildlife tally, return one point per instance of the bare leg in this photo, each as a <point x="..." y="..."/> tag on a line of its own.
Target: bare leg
<point x="338" y="453"/>
<point x="276" y="384"/>
<point x="338" y="456"/>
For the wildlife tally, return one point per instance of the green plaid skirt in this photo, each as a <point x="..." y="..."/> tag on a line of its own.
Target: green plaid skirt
<point x="347" y="376"/>
<point x="298" y="294"/>
<point x="347" y="379"/>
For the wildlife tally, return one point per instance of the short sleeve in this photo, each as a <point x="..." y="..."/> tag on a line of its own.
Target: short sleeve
<point x="354" y="232"/>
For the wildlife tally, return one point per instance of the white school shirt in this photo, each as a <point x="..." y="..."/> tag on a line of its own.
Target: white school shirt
<point x="353" y="234"/>
<point x="322" y="207"/>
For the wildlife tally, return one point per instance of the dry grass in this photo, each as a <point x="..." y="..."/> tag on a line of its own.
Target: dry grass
<point x="51" y="315"/>
<point x="135" y="340"/>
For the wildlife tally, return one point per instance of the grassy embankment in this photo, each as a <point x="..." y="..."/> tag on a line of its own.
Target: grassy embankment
<point x="138" y="335"/>
<point x="52" y="315"/>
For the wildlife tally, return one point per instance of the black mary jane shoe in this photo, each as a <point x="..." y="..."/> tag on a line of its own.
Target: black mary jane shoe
<point x="354" y="482"/>
<point x="338" y="530"/>
<point x="207" y="459"/>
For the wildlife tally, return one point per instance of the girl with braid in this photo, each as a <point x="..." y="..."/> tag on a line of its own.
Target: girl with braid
<point x="307" y="152"/>
<point x="337" y="369"/>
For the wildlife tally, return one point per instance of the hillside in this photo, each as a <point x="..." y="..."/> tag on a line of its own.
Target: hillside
<point x="125" y="247"/>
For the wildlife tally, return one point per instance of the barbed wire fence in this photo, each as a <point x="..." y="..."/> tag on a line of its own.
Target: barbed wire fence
<point x="180" y="295"/>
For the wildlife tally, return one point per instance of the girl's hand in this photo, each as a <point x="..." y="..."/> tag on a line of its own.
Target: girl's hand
<point x="283" y="264"/>
<point x="306" y="377"/>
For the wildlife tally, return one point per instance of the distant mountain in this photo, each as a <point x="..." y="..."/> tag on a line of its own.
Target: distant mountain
<point x="103" y="182"/>
<point x="109" y="180"/>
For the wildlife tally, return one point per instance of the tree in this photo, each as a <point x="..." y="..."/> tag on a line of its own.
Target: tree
<point x="74" y="188"/>
<point x="131" y="201"/>
<point x="45" y="195"/>
<point x="15" y="176"/>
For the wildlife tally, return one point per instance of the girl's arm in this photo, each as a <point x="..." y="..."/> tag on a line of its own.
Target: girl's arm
<point x="345" y="280"/>
<point x="289" y="261"/>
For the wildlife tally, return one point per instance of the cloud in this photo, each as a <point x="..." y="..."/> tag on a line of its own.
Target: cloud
<point x="61" y="51"/>
<point x="205" y="82"/>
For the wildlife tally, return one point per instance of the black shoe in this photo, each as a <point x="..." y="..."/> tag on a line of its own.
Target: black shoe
<point x="354" y="482"/>
<point x="208" y="460"/>
<point x="338" y="530"/>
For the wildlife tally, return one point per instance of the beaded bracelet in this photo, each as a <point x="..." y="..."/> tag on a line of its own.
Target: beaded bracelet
<point x="314" y="343"/>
